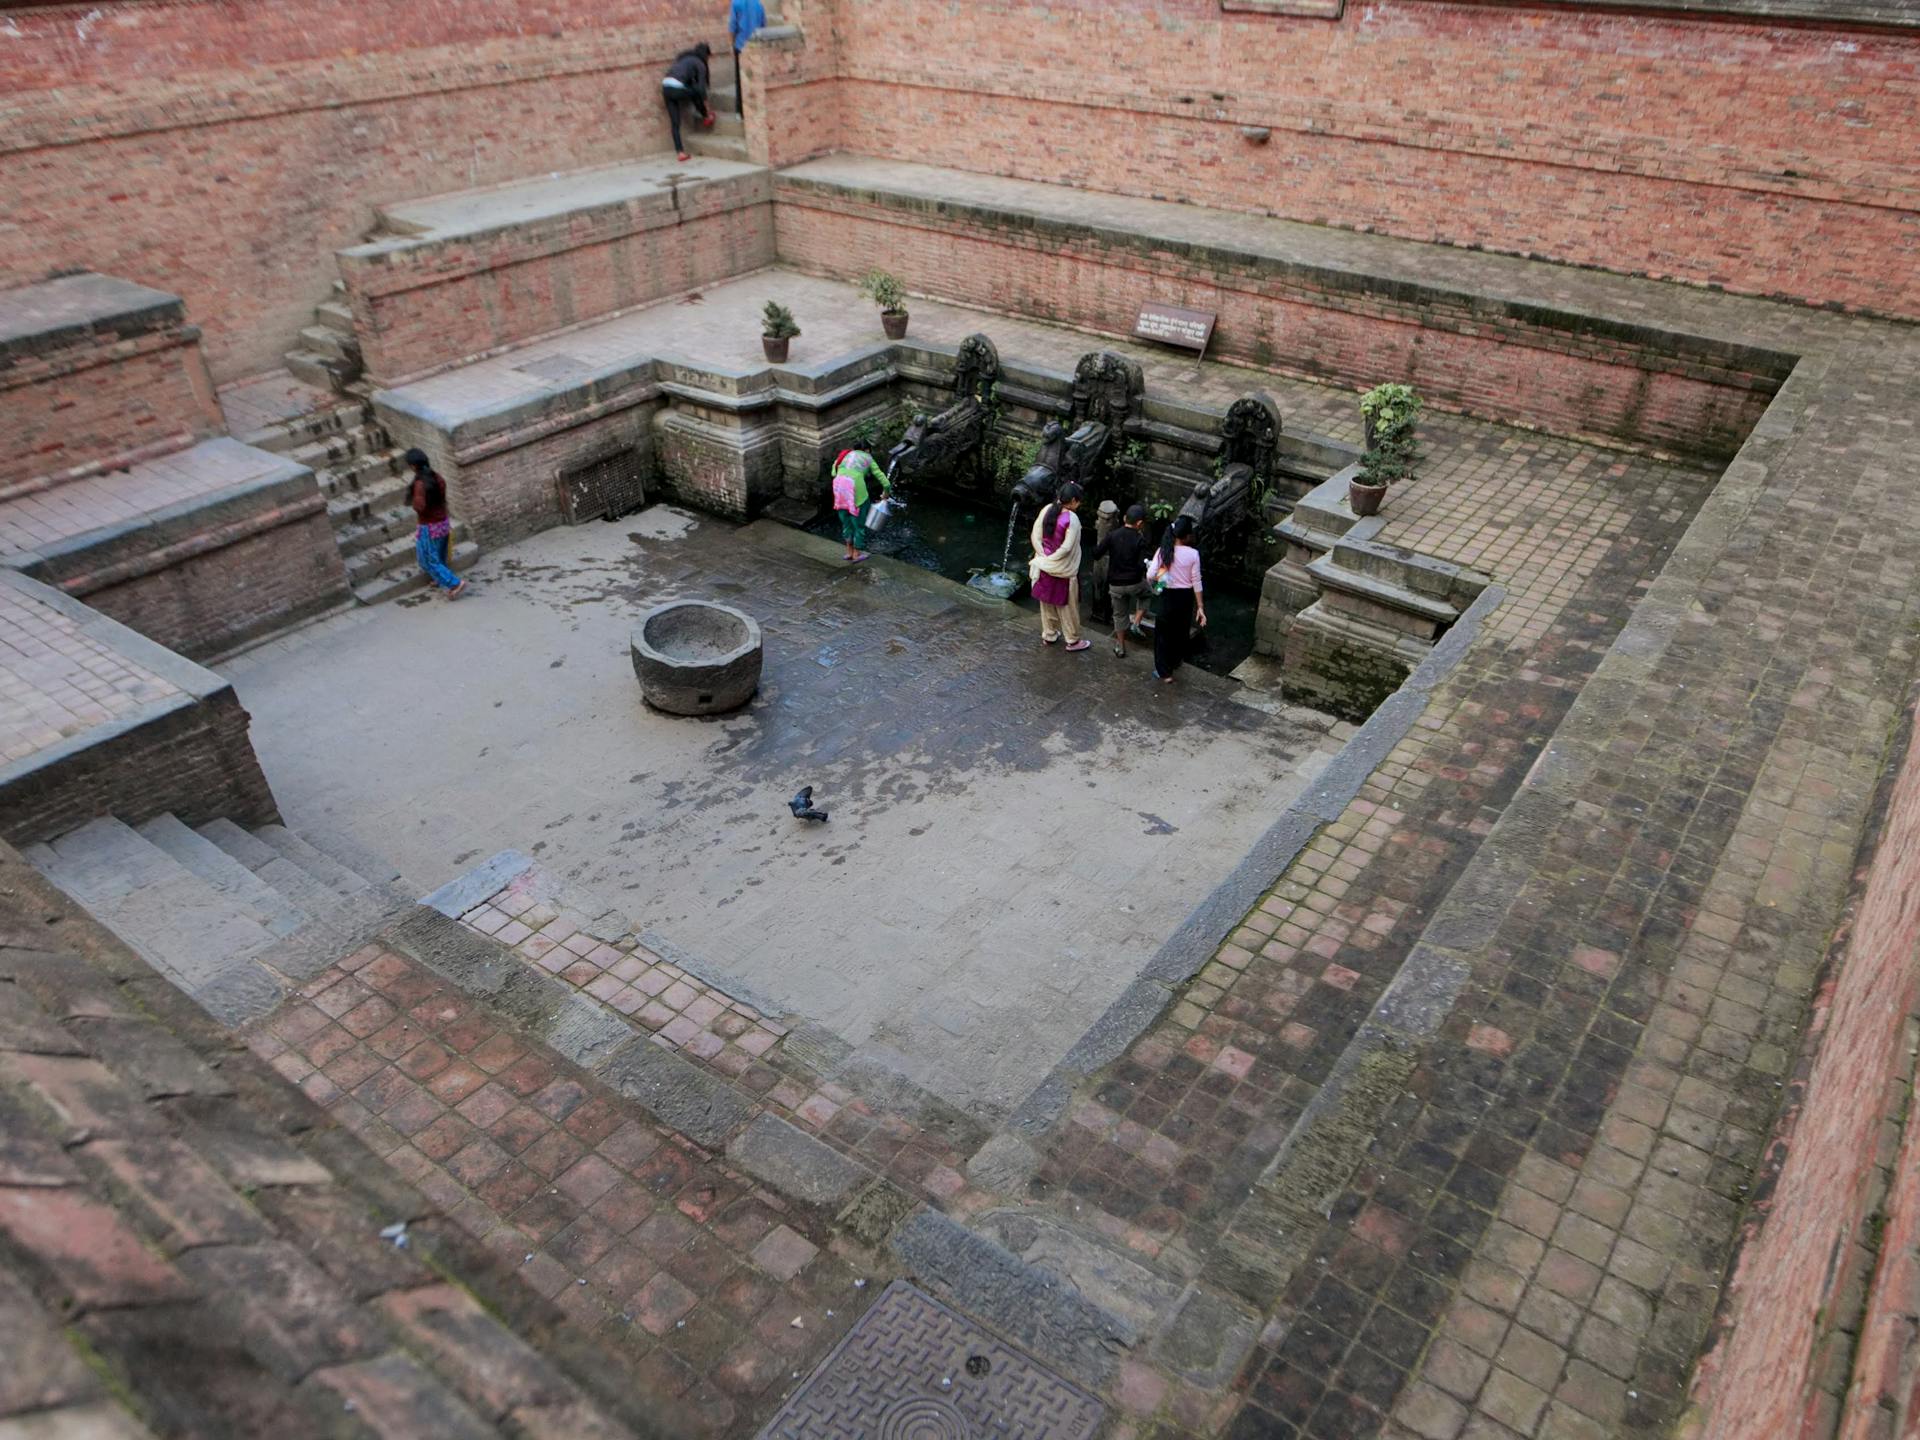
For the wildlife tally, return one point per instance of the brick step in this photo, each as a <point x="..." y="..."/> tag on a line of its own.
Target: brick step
<point x="326" y="340"/>
<point x="395" y="582"/>
<point x="326" y="372"/>
<point x="196" y="1248"/>
<point x="335" y="315"/>
<point x="387" y="543"/>
<point x="396" y="524"/>
<point x="203" y="940"/>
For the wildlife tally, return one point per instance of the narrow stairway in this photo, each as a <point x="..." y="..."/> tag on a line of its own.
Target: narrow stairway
<point x="235" y="918"/>
<point x="328" y="355"/>
<point x="364" y="479"/>
<point x="727" y="140"/>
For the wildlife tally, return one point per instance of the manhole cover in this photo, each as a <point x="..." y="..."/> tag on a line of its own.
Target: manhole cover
<point x="914" y="1370"/>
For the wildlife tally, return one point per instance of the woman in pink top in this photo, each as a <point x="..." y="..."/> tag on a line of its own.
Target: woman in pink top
<point x="1175" y="577"/>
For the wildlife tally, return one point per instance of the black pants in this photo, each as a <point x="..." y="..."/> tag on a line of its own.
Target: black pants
<point x="674" y="102"/>
<point x="1170" y="630"/>
<point x="739" y="87"/>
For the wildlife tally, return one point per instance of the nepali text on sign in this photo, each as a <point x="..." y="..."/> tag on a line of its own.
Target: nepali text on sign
<point x="1169" y="324"/>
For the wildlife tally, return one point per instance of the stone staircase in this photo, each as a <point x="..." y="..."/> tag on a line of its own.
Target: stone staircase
<point x="727" y="140"/>
<point x="328" y="355"/>
<point x="364" y="479"/>
<point x="236" y="919"/>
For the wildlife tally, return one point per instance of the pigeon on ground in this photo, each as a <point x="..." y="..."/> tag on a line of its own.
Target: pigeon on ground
<point x="802" y="806"/>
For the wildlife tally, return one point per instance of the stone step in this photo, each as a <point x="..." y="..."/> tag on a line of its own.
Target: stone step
<point x="380" y="556"/>
<point x="395" y="583"/>
<point x="716" y="146"/>
<point x="346" y="915"/>
<point x="341" y="459"/>
<point x="366" y="479"/>
<point x="335" y="315"/>
<point x="341" y="879"/>
<point x="325" y="340"/>
<point x="300" y="432"/>
<point x="377" y="497"/>
<point x="375" y="531"/>
<point x="280" y="916"/>
<point x="325" y="372"/>
<point x="204" y="941"/>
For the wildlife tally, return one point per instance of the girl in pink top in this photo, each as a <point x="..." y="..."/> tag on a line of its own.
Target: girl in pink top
<point x="1175" y="577"/>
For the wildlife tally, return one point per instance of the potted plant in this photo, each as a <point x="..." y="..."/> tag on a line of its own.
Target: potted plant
<point x="777" y="331"/>
<point x="1389" y="416"/>
<point x="890" y="295"/>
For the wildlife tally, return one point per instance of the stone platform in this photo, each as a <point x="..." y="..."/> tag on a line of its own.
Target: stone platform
<point x="94" y="717"/>
<point x="459" y="275"/>
<point x="166" y="544"/>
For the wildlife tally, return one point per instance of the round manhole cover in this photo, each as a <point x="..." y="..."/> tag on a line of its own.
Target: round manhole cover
<point x="924" y="1418"/>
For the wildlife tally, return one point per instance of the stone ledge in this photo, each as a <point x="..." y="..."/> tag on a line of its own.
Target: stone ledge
<point x="83" y="309"/>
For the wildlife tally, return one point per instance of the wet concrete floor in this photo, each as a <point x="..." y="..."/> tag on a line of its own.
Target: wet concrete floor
<point x="1015" y="829"/>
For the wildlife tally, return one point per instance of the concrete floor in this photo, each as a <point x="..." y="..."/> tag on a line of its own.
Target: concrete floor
<point x="1015" y="829"/>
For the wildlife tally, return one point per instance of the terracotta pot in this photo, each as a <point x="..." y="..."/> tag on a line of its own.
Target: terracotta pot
<point x="894" y="322"/>
<point x="1365" y="499"/>
<point x="776" y="349"/>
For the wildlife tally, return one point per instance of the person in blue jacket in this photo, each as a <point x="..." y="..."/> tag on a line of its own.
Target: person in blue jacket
<point x="744" y="20"/>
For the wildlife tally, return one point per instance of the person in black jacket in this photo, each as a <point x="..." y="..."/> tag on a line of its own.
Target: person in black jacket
<point x="1125" y="550"/>
<point x="687" y="82"/>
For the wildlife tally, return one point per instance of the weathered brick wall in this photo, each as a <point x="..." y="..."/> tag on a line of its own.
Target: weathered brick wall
<point x="793" y="81"/>
<point x="422" y="309"/>
<point x="103" y="402"/>
<point x="220" y="592"/>
<point x="1608" y="388"/>
<point x="1794" y="1302"/>
<point x="1764" y="158"/>
<point x="225" y="149"/>
<point x="509" y="487"/>
<point x="195" y="761"/>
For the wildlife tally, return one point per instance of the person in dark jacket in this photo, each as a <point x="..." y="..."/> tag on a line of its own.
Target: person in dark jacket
<point x="434" y="535"/>
<point x="1125" y="549"/>
<point x="687" y="83"/>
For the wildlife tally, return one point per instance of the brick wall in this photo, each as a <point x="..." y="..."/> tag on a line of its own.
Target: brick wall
<point x="426" y="306"/>
<point x="1764" y="158"/>
<point x="104" y="402"/>
<point x="1608" y="388"/>
<point x="284" y="568"/>
<point x="225" y="149"/>
<point x="195" y="761"/>
<point x="1794" y="1300"/>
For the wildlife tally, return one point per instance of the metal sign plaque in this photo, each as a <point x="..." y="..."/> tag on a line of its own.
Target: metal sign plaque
<point x="1171" y="325"/>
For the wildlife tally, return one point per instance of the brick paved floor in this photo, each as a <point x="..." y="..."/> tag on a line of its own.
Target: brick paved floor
<point x="712" y="1289"/>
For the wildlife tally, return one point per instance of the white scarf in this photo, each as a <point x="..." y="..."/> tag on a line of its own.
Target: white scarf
<point x="1064" y="562"/>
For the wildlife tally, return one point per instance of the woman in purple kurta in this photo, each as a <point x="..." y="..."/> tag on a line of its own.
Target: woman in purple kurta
<point x="1055" y="570"/>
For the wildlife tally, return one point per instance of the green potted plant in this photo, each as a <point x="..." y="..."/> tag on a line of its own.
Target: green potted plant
<point x="777" y="331"/>
<point x="886" y="291"/>
<point x="1389" y="416"/>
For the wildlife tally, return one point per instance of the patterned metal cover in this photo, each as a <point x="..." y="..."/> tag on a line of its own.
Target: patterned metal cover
<point x="914" y="1370"/>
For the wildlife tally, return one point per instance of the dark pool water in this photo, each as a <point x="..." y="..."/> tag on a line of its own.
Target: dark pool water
<point x="959" y="540"/>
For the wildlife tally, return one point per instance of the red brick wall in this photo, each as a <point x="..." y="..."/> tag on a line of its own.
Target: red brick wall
<point x="1786" y="1299"/>
<point x="96" y="405"/>
<point x="287" y="569"/>
<point x="1558" y="382"/>
<point x="225" y="149"/>
<point x="1768" y="159"/>
<point x="424" y="309"/>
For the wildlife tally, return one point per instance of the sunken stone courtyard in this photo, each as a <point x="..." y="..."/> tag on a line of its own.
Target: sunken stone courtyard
<point x="587" y="848"/>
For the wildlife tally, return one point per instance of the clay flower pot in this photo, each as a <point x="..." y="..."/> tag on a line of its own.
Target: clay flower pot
<point x="894" y="322"/>
<point x="776" y="349"/>
<point x="1365" y="499"/>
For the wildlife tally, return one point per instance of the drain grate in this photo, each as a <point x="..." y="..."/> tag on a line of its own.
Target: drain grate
<point x="914" y="1370"/>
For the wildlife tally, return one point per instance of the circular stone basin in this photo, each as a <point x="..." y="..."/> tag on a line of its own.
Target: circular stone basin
<point x="693" y="657"/>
